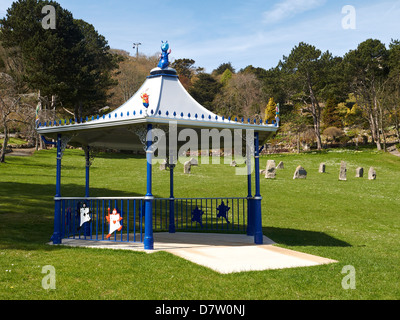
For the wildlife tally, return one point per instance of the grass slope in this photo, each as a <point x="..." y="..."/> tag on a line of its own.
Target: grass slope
<point x="355" y="222"/>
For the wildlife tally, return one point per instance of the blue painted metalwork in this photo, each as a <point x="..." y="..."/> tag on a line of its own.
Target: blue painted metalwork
<point x="129" y="208"/>
<point x="171" y="199"/>
<point x="148" y="238"/>
<point x="48" y="142"/>
<point x="250" y="201"/>
<point x="56" y="238"/>
<point x="134" y="221"/>
<point x="223" y="211"/>
<point x="258" y="234"/>
<point x="197" y="215"/>
<point x="87" y="230"/>
<point x="187" y="217"/>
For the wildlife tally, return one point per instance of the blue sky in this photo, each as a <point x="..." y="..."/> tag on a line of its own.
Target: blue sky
<point x="250" y="32"/>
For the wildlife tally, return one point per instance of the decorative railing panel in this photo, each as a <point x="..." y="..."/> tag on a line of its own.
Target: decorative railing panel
<point x="202" y="214"/>
<point x="91" y="218"/>
<point x="98" y="227"/>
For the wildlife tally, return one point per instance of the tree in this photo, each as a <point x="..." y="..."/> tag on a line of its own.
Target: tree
<point x="225" y="77"/>
<point x="186" y="71"/>
<point x="392" y="90"/>
<point x="12" y="109"/>
<point x="270" y="111"/>
<point x="132" y="72"/>
<point x="205" y="89"/>
<point x="305" y="71"/>
<point x="367" y="69"/>
<point x="222" y="67"/>
<point x="241" y="97"/>
<point x="295" y="125"/>
<point x="71" y="61"/>
<point x="92" y="77"/>
<point x="330" y="116"/>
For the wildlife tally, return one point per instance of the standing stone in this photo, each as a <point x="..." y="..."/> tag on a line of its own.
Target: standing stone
<point x="164" y="165"/>
<point x="194" y="162"/>
<point x="359" y="172"/>
<point x="371" y="174"/>
<point x="322" y="168"/>
<point x="187" y="167"/>
<point x="300" y="173"/>
<point x="280" y="165"/>
<point x="343" y="171"/>
<point x="270" y="171"/>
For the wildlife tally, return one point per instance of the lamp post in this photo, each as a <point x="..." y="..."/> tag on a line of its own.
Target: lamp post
<point x="136" y="46"/>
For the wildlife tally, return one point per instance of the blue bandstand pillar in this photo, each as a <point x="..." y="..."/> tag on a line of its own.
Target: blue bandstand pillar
<point x="148" y="229"/>
<point x="87" y="156"/>
<point x="250" y="201"/>
<point x="258" y="234"/>
<point x="171" y="198"/>
<point x="87" y="226"/>
<point x="57" y="206"/>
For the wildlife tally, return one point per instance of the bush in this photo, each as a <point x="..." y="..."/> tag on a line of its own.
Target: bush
<point x="333" y="133"/>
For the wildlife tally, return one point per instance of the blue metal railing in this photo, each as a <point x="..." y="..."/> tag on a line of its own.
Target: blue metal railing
<point x="201" y="214"/>
<point x="130" y="209"/>
<point x="227" y="215"/>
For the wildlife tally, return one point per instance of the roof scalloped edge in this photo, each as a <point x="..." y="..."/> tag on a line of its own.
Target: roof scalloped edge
<point x="172" y="116"/>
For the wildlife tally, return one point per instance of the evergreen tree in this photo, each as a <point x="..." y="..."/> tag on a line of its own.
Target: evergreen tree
<point x="367" y="69"/>
<point x="305" y="72"/>
<point x="222" y="67"/>
<point x="225" y="77"/>
<point x="330" y="116"/>
<point x="205" y="89"/>
<point x="71" y="61"/>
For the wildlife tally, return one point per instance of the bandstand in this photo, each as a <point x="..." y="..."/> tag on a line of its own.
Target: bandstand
<point x="161" y="105"/>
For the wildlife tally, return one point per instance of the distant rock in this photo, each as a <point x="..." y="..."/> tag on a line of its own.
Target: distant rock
<point x="187" y="167"/>
<point x="194" y="162"/>
<point x="372" y="174"/>
<point x="300" y="173"/>
<point x="164" y="165"/>
<point x="359" y="172"/>
<point x="270" y="170"/>
<point x="343" y="171"/>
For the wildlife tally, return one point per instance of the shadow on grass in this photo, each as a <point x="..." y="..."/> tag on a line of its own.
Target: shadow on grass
<point x="27" y="212"/>
<point x="293" y="237"/>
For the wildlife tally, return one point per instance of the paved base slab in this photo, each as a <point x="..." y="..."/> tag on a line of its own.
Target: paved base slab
<point x="223" y="253"/>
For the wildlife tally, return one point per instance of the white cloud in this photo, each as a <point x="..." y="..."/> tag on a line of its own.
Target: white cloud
<point x="286" y="9"/>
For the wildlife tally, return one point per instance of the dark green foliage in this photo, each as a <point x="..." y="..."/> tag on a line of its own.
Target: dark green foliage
<point x="205" y="89"/>
<point x="184" y="67"/>
<point x="330" y="116"/>
<point x="221" y="69"/>
<point x="71" y="61"/>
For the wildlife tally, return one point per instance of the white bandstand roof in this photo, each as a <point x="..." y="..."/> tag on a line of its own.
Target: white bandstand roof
<point x="168" y="101"/>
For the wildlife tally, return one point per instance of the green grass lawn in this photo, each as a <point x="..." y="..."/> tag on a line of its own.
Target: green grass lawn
<point x="354" y="222"/>
<point x="15" y="141"/>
